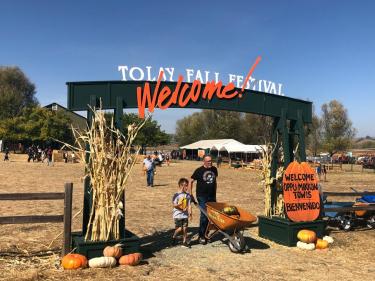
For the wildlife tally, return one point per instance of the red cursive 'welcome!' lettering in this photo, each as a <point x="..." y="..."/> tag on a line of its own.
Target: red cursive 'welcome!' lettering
<point x="184" y="93"/>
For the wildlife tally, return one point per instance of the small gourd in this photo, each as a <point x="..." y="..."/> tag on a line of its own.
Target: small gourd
<point x="113" y="251"/>
<point x="74" y="261"/>
<point x="305" y="246"/>
<point x="329" y="239"/>
<point x="306" y="236"/>
<point x="131" y="259"/>
<point x="321" y="244"/>
<point x="102" y="262"/>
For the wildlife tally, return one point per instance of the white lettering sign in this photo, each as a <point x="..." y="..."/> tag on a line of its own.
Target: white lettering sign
<point x="137" y="73"/>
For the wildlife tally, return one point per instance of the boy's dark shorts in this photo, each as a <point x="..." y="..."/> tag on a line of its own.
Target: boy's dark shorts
<point x="181" y="222"/>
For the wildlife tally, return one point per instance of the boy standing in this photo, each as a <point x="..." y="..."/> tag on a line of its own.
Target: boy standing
<point x="6" y="154"/>
<point x="182" y="211"/>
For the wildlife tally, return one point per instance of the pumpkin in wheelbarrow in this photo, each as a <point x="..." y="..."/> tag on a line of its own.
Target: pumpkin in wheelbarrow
<point x="231" y="211"/>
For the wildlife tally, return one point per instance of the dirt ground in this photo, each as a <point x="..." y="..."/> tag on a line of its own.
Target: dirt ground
<point x="148" y="215"/>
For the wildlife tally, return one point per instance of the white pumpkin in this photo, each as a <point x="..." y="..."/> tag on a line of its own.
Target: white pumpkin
<point x="329" y="239"/>
<point x="102" y="262"/>
<point x="305" y="246"/>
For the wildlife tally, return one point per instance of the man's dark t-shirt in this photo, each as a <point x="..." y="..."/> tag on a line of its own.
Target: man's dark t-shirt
<point x="206" y="181"/>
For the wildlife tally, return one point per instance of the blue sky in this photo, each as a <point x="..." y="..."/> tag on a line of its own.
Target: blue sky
<point x="318" y="50"/>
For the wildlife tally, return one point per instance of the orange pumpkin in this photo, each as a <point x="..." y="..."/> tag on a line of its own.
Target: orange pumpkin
<point x="74" y="261"/>
<point x="321" y="244"/>
<point x="113" y="251"/>
<point x="131" y="259"/>
<point x="306" y="236"/>
<point x="360" y="213"/>
<point x="301" y="193"/>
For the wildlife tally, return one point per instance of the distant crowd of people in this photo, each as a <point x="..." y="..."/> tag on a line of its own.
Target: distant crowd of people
<point x="37" y="154"/>
<point x="321" y="170"/>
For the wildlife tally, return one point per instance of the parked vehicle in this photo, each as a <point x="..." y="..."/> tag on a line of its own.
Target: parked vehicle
<point x="346" y="220"/>
<point x="369" y="163"/>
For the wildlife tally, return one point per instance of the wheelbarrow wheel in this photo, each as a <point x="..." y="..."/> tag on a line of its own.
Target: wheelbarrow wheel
<point x="345" y="223"/>
<point x="236" y="243"/>
<point x="371" y="222"/>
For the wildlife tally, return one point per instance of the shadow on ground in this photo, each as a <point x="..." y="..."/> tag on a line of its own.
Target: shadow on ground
<point x="161" y="240"/>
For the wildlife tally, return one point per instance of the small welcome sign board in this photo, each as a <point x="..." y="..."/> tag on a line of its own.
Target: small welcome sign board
<point x="301" y="192"/>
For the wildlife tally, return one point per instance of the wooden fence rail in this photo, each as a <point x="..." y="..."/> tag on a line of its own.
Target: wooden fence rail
<point x="350" y="209"/>
<point x="348" y="193"/>
<point x="66" y="218"/>
<point x="32" y="196"/>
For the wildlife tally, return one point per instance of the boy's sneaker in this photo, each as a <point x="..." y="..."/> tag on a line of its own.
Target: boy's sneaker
<point x="193" y="200"/>
<point x="185" y="245"/>
<point x="174" y="241"/>
<point x="202" y="241"/>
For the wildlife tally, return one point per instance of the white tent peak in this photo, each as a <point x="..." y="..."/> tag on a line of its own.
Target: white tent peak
<point x="207" y="144"/>
<point x="230" y="145"/>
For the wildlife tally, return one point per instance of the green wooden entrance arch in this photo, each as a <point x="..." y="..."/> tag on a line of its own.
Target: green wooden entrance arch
<point x="289" y="115"/>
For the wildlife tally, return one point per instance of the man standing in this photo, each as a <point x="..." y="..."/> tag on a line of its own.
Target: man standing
<point x="206" y="191"/>
<point x="148" y="165"/>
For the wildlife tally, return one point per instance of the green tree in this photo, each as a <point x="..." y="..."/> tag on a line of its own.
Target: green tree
<point x="36" y="125"/>
<point x="190" y="129"/>
<point x="338" y="131"/>
<point x="255" y="129"/>
<point x="16" y="92"/>
<point x="314" y="135"/>
<point x="150" y="134"/>
<point x="220" y="124"/>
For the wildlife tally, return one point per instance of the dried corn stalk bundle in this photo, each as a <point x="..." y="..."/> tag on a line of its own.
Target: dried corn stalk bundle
<point x="277" y="207"/>
<point x="279" y="203"/>
<point x="267" y="180"/>
<point x="110" y="162"/>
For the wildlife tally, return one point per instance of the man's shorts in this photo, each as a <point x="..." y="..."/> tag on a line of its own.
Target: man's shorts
<point x="181" y="222"/>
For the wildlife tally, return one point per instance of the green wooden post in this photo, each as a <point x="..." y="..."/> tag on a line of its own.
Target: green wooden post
<point x="285" y="136"/>
<point x="292" y="134"/>
<point x="118" y="113"/>
<point x="301" y="136"/>
<point x="87" y="196"/>
<point x="274" y="160"/>
<point x="118" y="119"/>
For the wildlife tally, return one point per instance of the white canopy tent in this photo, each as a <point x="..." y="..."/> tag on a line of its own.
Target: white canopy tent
<point x="224" y="145"/>
<point x="207" y="144"/>
<point x="239" y="147"/>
